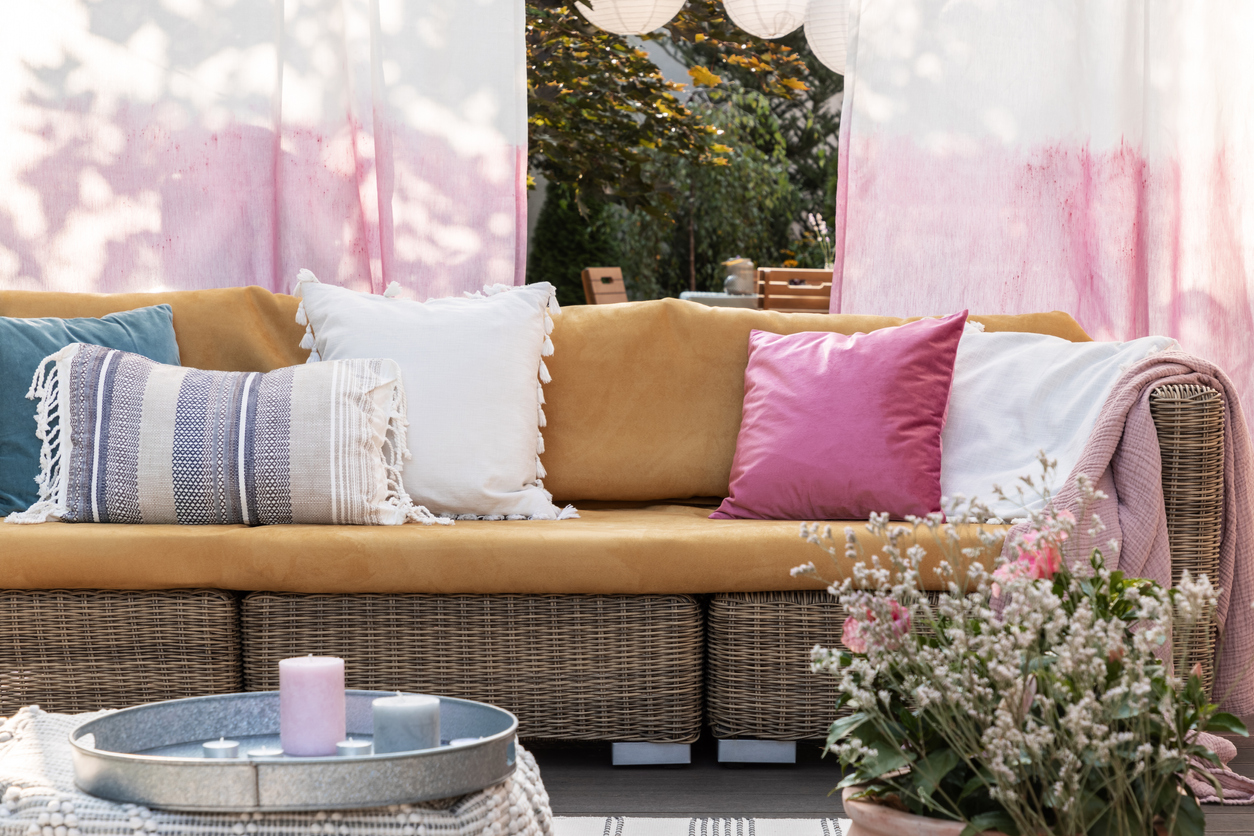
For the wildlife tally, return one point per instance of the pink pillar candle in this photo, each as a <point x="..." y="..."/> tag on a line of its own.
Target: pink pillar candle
<point x="311" y="705"/>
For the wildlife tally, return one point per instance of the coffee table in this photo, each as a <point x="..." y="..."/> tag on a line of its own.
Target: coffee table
<point x="38" y="798"/>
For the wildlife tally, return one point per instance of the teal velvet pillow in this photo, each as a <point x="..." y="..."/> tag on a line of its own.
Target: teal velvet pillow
<point x="25" y="342"/>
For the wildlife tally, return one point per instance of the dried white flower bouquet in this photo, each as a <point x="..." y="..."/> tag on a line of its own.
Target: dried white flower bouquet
<point x="1031" y="699"/>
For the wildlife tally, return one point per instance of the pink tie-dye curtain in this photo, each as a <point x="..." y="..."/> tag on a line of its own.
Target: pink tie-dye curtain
<point x="1094" y="157"/>
<point x="180" y="144"/>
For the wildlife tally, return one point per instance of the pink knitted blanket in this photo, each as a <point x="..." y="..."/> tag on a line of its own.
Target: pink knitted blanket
<point x="1122" y="457"/>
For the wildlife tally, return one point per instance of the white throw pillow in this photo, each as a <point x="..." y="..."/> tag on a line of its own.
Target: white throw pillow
<point x="469" y="367"/>
<point x="1015" y="394"/>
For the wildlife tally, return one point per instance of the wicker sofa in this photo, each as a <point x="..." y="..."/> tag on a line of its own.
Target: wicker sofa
<point x="641" y="622"/>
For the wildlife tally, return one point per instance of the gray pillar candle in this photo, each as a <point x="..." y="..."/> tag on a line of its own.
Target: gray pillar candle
<point x="406" y="722"/>
<point x="221" y="748"/>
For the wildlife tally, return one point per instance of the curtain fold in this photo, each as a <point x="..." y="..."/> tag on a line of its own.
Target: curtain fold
<point x="187" y="144"/>
<point x="1094" y="157"/>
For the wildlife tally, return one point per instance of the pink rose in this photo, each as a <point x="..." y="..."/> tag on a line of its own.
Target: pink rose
<point x="901" y="619"/>
<point x="851" y="632"/>
<point x="851" y="635"/>
<point x="1006" y="573"/>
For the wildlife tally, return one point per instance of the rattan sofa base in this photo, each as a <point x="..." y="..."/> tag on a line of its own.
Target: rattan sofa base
<point x="83" y="650"/>
<point x="571" y="667"/>
<point x="759" y="683"/>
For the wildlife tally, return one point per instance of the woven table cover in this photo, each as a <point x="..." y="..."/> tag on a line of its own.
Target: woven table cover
<point x="38" y="798"/>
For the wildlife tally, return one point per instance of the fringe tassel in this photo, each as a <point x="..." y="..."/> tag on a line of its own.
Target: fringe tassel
<point x="540" y="471"/>
<point x="46" y="388"/>
<point x="540" y="444"/>
<point x="545" y="377"/>
<point x="547" y="350"/>
<point x="568" y="513"/>
<point x="395" y="454"/>
<point x="540" y="419"/>
<point x="539" y="393"/>
<point x="305" y="276"/>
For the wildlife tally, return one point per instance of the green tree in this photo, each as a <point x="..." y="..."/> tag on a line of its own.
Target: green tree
<point x="744" y="208"/>
<point x="567" y="240"/>
<point x="675" y="186"/>
<point x="599" y="108"/>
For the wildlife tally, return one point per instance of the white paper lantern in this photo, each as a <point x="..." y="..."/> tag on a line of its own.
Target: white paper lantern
<point x="767" y="18"/>
<point x="630" y="17"/>
<point x="827" y="25"/>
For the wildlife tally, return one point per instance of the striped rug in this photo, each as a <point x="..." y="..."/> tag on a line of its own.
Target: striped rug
<point x="695" y="826"/>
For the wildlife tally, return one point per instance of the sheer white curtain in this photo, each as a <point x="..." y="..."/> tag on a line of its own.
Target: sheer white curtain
<point x="210" y="143"/>
<point x="1095" y="157"/>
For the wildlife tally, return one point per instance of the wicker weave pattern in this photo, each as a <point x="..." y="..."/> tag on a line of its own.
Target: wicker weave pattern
<point x="760" y="683"/>
<point x="83" y="650"/>
<point x="1190" y="425"/>
<point x="571" y="667"/>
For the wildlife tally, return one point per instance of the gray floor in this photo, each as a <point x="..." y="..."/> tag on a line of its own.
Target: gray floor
<point x="581" y="782"/>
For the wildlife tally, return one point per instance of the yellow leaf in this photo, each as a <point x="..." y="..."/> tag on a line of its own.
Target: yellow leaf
<point x="703" y="76"/>
<point x="721" y="149"/>
<point x="794" y="83"/>
<point x="700" y="37"/>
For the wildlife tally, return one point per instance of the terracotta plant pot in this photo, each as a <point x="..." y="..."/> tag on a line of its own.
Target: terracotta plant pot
<point x="871" y="819"/>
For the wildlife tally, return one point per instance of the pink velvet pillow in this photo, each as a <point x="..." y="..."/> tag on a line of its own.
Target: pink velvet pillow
<point x="835" y="427"/>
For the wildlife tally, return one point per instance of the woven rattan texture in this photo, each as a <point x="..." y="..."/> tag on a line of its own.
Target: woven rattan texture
<point x="83" y="650"/>
<point x="1190" y="425"/>
<point x="759" y="682"/>
<point x="571" y="667"/>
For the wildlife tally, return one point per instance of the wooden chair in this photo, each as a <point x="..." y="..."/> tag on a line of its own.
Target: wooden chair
<point x="604" y="285"/>
<point x="811" y="292"/>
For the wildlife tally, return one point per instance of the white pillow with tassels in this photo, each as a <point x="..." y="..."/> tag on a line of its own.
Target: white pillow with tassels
<point x="472" y="369"/>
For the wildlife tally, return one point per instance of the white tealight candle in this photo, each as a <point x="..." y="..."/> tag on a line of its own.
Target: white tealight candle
<point x="352" y="748"/>
<point x="221" y="748"/>
<point x="266" y="752"/>
<point x="406" y="722"/>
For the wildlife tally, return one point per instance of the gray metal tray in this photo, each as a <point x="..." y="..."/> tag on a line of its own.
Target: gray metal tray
<point x="151" y="755"/>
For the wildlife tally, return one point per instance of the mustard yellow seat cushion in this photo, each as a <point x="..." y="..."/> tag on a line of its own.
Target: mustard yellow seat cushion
<point x="611" y="549"/>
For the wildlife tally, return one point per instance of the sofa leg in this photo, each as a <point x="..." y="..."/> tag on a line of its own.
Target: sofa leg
<point x="651" y="754"/>
<point x="757" y="751"/>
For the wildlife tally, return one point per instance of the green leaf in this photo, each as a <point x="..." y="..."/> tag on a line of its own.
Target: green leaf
<point x="885" y="760"/>
<point x="990" y="821"/>
<point x="843" y="725"/>
<point x="1225" y="722"/>
<point x="1189" y="819"/>
<point x="975" y="784"/>
<point x="933" y="768"/>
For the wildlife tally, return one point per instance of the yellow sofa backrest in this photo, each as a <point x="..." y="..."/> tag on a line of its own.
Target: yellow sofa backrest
<point x="646" y="396"/>
<point x="236" y="329"/>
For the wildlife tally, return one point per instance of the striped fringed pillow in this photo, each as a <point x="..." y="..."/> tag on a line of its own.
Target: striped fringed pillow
<point x="127" y="440"/>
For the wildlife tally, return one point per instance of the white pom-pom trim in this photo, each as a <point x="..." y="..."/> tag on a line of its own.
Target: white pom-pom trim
<point x="393" y="290"/>
<point x="305" y="276"/>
